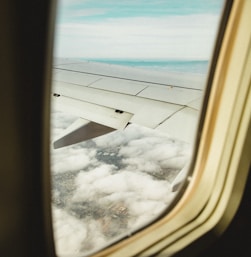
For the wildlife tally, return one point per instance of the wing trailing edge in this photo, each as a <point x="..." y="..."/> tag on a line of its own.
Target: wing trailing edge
<point x="110" y="97"/>
<point x="79" y="131"/>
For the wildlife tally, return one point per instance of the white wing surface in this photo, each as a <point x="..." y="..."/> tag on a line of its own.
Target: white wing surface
<point x="110" y="97"/>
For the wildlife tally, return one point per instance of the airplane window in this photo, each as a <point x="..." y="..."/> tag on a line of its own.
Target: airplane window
<point x="128" y="81"/>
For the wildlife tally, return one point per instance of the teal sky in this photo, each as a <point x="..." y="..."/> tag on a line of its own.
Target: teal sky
<point x="145" y="25"/>
<point x="80" y="11"/>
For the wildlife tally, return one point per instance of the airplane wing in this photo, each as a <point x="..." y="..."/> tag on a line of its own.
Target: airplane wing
<point x="108" y="97"/>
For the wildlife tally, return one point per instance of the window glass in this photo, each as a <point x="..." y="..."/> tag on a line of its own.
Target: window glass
<point x="135" y="69"/>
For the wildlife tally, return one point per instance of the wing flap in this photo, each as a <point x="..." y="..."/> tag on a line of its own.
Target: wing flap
<point x="180" y="96"/>
<point x="113" y="118"/>
<point x="79" y="131"/>
<point x="75" y="77"/>
<point x="119" y="86"/>
<point x="181" y="125"/>
<point x="100" y="106"/>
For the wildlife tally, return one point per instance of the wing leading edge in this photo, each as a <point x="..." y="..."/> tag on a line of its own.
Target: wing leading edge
<point x="115" y="96"/>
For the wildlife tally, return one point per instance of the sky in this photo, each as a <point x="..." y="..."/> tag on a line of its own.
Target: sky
<point x="136" y="29"/>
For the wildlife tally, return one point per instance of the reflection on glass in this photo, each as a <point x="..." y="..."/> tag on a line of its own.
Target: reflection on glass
<point x="141" y="63"/>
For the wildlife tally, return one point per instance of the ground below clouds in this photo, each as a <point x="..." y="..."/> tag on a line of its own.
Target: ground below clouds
<point x="110" y="186"/>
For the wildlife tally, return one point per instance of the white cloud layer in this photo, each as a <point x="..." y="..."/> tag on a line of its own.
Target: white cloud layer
<point x="174" y="37"/>
<point x="106" y="188"/>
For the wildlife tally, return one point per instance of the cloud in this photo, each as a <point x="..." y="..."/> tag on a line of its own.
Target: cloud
<point x="80" y="157"/>
<point x="175" y="37"/>
<point x="86" y="12"/>
<point x="70" y="234"/>
<point x="105" y="188"/>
